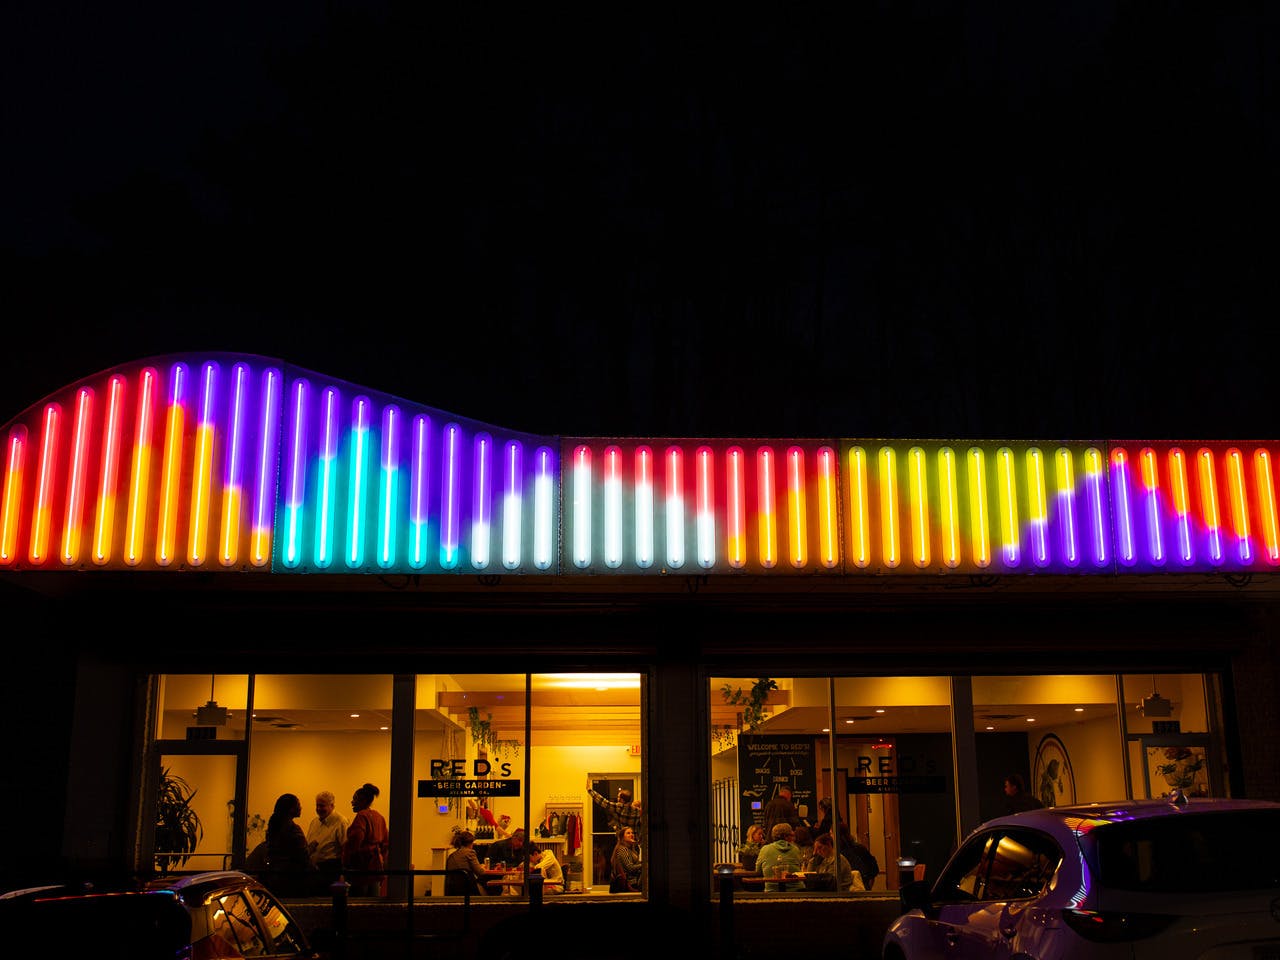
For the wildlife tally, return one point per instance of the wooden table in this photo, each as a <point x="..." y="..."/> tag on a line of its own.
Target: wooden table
<point x="740" y="875"/>
<point x="756" y="882"/>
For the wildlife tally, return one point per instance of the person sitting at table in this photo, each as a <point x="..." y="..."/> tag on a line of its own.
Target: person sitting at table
<point x="804" y="840"/>
<point x="625" y="866"/>
<point x="779" y="857"/>
<point x="546" y="863"/>
<point x="512" y="851"/>
<point x="749" y="849"/>
<point x="825" y="864"/>
<point x="465" y="875"/>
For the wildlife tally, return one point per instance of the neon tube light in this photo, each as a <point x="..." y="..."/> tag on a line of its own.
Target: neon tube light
<point x="735" y="508"/>
<point x="358" y="482"/>
<point x="543" y="494"/>
<point x="766" y="508"/>
<point x="1095" y="497"/>
<point x="612" y="507"/>
<point x="797" y="512"/>
<point x="104" y="524"/>
<point x="171" y="472"/>
<point x="949" y="508"/>
<point x="1006" y="486"/>
<point x="675" y="507"/>
<point x="296" y="479"/>
<point x="978" y="522"/>
<point x="72" y="526"/>
<point x="1181" y="504"/>
<point x="1239" y="504"/>
<point x="1067" y="507"/>
<point x="1121" y="497"/>
<point x="889" y="507"/>
<point x="1037" y="508"/>
<point x="582" y="506"/>
<point x="15" y="472"/>
<point x="512" y="504"/>
<point x="918" y="492"/>
<point x="706" y="517"/>
<point x="389" y="486"/>
<point x="328" y="495"/>
<point x="481" y="500"/>
<point x="45" y="472"/>
<point x="419" y="491"/>
<point x="1209" y="504"/>
<point x="1267" y="504"/>
<point x="202" y="469"/>
<point x="828" y="525"/>
<point x="644" y="507"/>
<point x="265" y="487"/>
<point x="140" y="476"/>
<point x="233" y="469"/>
<point x="859" y="518"/>
<point x="450" y="508"/>
<point x="1151" y="501"/>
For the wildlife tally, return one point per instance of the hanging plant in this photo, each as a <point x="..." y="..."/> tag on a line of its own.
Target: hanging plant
<point x="752" y="701"/>
<point x="178" y="827"/>
<point x="723" y="737"/>
<point x="484" y="736"/>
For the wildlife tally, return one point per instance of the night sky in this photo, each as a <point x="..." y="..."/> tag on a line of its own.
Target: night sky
<point x="1036" y="221"/>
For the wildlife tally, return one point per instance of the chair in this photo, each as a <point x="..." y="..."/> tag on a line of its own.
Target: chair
<point x="620" y="884"/>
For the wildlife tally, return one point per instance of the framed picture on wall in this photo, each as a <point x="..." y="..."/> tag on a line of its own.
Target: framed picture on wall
<point x="1052" y="780"/>
<point x="1180" y="761"/>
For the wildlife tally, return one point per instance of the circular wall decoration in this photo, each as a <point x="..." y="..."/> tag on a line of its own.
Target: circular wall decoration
<point x="1052" y="780"/>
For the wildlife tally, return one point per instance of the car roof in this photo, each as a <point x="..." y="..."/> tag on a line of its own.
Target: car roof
<point x="199" y="887"/>
<point x="1119" y="811"/>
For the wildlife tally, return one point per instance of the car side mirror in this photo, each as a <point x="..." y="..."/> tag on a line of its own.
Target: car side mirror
<point x="915" y="896"/>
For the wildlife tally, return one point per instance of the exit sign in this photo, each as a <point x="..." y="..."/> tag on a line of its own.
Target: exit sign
<point x="634" y="750"/>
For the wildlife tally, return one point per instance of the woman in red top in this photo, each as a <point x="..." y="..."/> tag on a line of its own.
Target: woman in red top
<point x="366" y="845"/>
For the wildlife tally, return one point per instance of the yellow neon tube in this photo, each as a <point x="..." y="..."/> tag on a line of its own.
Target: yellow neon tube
<point x="948" y="506"/>
<point x="827" y="528"/>
<point x="918" y="486"/>
<point x="1006" y="488"/>
<point x="981" y="542"/>
<point x="1267" y="503"/>
<point x="859" y="522"/>
<point x="889" y="507"/>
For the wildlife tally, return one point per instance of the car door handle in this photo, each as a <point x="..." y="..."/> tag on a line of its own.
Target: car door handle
<point x="1008" y="930"/>
<point x="953" y="937"/>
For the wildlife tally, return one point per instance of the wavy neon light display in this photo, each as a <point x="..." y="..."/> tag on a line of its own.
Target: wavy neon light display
<point x="239" y="463"/>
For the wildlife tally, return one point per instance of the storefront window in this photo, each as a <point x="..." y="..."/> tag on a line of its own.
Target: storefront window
<point x="485" y="772"/>
<point x="888" y="795"/>
<point x="1174" y="734"/>
<point x="202" y="706"/>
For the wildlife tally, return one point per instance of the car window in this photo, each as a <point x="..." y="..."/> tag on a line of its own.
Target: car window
<point x="963" y="877"/>
<point x="235" y="921"/>
<point x="283" y="934"/>
<point x="1192" y="852"/>
<point x="1022" y="862"/>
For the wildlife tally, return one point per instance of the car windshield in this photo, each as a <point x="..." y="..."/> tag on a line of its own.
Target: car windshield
<point x="1192" y="852"/>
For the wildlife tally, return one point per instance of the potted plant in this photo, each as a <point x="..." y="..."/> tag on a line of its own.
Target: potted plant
<point x="178" y="827"/>
<point x="747" y="853"/>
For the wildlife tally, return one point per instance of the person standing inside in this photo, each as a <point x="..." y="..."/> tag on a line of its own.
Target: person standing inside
<point x="623" y="812"/>
<point x="780" y="809"/>
<point x="325" y="836"/>
<point x="1016" y="797"/>
<point x="288" y="862"/>
<point x="365" y="849"/>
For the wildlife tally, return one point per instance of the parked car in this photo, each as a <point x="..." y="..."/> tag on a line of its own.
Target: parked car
<point x="209" y="916"/>
<point x="1135" y="879"/>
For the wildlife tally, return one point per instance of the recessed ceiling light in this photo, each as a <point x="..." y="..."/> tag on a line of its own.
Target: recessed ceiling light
<point x="383" y="728"/>
<point x="990" y="728"/>
<point x="1031" y="719"/>
<point x="850" y="720"/>
<point x="826" y="729"/>
<point x="879" y="709"/>
<point x="354" y="715"/>
<point x="602" y="688"/>
<point x="1079" y="709"/>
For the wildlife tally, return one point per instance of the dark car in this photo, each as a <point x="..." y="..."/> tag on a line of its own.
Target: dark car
<point x="1131" y="880"/>
<point x="208" y="916"/>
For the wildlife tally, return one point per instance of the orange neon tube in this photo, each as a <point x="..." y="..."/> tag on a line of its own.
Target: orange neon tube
<point x="1181" y="504"/>
<point x="108" y="483"/>
<point x="1262" y="474"/>
<point x="140" y="477"/>
<point x="1239" y="504"/>
<point x="45" y="473"/>
<point x="1209" y="510"/>
<point x="765" y="519"/>
<point x="73" y="523"/>
<point x="11" y="507"/>
<point x="171" y="471"/>
<point x="859" y="521"/>
<point x="736" y="508"/>
<point x="202" y="469"/>
<point x="797" y="512"/>
<point x="828" y="524"/>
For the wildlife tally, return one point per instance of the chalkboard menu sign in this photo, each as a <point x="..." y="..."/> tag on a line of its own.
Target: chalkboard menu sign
<point x="768" y="762"/>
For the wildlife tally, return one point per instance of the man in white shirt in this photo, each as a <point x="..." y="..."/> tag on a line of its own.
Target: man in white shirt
<point x="325" y="836"/>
